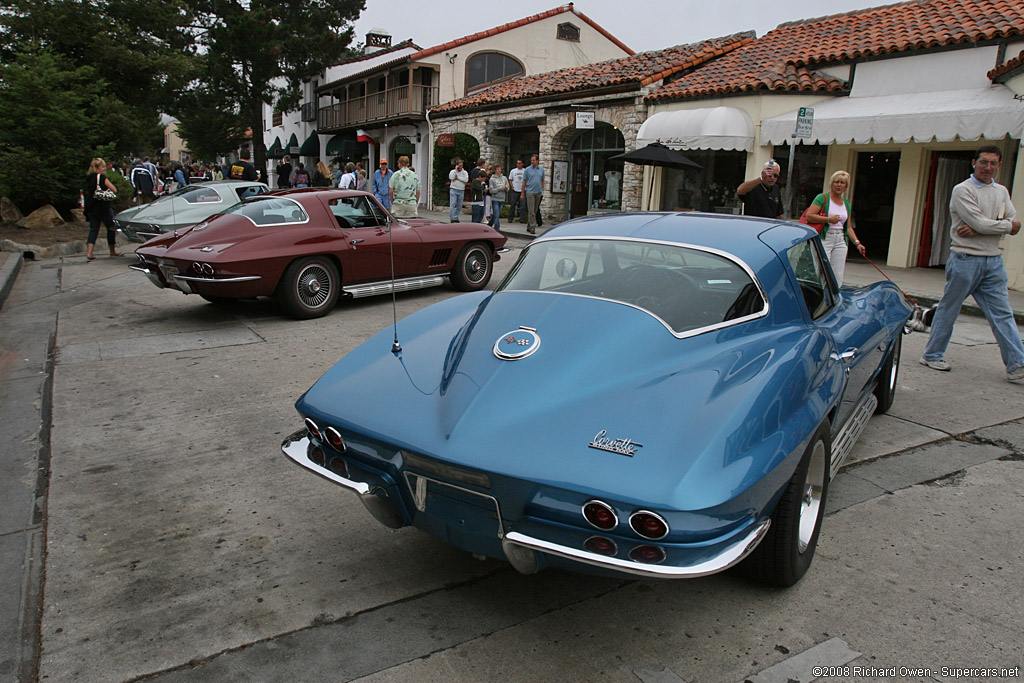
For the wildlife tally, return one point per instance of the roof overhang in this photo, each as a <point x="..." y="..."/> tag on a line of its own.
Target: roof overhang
<point x="726" y="128"/>
<point x="991" y="113"/>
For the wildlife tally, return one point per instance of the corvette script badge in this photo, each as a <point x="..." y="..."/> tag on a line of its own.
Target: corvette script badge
<point x="621" y="446"/>
<point x="518" y="344"/>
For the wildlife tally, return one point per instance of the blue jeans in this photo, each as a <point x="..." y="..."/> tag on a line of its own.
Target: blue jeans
<point x="455" y="198"/>
<point x="984" y="278"/>
<point x="478" y="213"/>
<point x="496" y="214"/>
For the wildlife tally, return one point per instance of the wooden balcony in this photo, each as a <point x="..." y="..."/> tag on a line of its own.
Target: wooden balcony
<point x="404" y="103"/>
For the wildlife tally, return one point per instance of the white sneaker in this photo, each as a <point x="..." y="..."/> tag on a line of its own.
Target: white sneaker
<point x="943" y="366"/>
<point x="1014" y="375"/>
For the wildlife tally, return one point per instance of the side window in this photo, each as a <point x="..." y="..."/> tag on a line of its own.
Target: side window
<point x="808" y="263"/>
<point x="201" y="195"/>
<point x="248" y="191"/>
<point x="356" y="212"/>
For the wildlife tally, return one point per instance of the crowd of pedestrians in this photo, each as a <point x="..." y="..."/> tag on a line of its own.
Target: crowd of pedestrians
<point x="488" y="190"/>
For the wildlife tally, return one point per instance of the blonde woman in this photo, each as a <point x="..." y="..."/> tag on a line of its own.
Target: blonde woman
<point x="322" y="175"/>
<point x="98" y="211"/>
<point x="830" y="213"/>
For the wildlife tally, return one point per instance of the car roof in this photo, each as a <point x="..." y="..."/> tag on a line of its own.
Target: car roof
<point x="227" y="182"/>
<point x="742" y="236"/>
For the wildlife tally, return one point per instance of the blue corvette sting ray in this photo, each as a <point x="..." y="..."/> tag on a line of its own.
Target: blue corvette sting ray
<point x="656" y="394"/>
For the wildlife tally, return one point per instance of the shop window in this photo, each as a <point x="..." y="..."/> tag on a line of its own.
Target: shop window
<point x="808" y="174"/>
<point x="711" y="187"/>
<point x="594" y="183"/>
<point x="488" y="68"/>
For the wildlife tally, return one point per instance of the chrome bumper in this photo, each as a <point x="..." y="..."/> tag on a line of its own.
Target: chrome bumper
<point x="727" y="557"/>
<point x="148" y="272"/>
<point x="521" y="548"/>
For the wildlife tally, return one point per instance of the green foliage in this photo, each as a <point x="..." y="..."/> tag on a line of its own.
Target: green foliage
<point x="125" y="190"/>
<point x="259" y="52"/>
<point x="141" y="52"/>
<point x="49" y="134"/>
<point x="208" y="124"/>
<point x="466" y="148"/>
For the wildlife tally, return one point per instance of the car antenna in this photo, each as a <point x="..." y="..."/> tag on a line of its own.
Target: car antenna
<point x="396" y="348"/>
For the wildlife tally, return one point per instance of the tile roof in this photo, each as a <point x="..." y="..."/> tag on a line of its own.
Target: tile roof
<point x="634" y="71"/>
<point x="783" y="59"/>
<point x="1008" y="66"/>
<point x="444" y="47"/>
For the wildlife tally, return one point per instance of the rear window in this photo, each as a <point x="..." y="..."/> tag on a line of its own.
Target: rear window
<point x="688" y="289"/>
<point x="271" y="211"/>
<point x="200" y="194"/>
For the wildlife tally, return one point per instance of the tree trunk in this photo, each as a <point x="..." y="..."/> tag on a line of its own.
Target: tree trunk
<point x="259" y="146"/>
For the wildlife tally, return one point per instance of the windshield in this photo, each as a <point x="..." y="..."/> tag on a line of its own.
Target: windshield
<point x="271" y="211"/>
<point x="688" y="289"/>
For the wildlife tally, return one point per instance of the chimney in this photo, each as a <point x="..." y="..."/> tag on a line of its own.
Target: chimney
<point x="377" y="39"/>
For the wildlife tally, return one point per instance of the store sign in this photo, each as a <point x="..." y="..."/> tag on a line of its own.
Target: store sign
<point x="499" y="140"/>
<point x="804" y="122"/>
<point x="585" y="120"/>
<point x="446" y="140"/>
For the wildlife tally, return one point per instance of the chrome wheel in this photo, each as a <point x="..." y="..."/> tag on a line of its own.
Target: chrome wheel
<point x="476" y="266"/>
<point x="313" y="286"/>
<point x="810" y="503"/>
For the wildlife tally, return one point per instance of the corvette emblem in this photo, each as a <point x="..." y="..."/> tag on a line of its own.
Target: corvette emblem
<point x="602" y="442"/>
<point x="517" y="344"/>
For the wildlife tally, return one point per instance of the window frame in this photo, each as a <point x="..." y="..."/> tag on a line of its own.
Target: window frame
<point x="486" y="84"/>
<point x="829" y="289"/>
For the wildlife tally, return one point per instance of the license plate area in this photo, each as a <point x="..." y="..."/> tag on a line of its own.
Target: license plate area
<point x="447" y="501"/>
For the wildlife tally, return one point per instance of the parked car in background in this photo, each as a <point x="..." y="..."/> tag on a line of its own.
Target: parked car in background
<point x="662" y="395"/>
<point x="309" y="247"/>
<point x="184" y="207"/>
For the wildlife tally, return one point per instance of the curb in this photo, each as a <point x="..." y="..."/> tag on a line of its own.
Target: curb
<point x="8" y="274"/>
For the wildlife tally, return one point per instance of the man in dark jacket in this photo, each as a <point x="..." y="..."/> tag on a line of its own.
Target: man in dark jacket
<point x="143" y="182"/>
<point x="243" y="168"/>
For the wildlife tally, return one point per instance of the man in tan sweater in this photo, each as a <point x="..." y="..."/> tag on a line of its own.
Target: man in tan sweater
<point x="982" y="213"/>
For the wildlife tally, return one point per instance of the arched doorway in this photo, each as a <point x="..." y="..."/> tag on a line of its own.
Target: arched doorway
<point x="401" y="146"/>
<point x="595" y="179"/>
<point x="465" y="147"/>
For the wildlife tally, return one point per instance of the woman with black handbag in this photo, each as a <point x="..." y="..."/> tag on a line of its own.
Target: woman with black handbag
<point x="100" y="194"/>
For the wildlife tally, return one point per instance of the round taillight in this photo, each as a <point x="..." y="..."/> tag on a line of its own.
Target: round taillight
<point x="648" y="524"/>
<point x="339" y="467"/>
<point x="334" y="438"/>
<point x="600" y="515"/>
<point x="314" y="431"/>
<point x="647" y="554"/>
<point x="600" y="546"/>
<point x="317" y="456"/>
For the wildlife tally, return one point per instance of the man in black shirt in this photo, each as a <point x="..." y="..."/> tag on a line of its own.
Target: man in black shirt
<point x="243" y="168"/>
<point x="761" y="196"/>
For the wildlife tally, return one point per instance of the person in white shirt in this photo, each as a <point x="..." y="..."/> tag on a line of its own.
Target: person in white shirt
<point x="457" y="179"/>
<point x="515" y="205"/>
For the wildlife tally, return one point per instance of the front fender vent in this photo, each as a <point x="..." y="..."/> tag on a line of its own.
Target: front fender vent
<point x="440" y="257"/>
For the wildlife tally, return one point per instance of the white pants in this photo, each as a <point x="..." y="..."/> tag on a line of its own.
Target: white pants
<point x="835" y="247"/>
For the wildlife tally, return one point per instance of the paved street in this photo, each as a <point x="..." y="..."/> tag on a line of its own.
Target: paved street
<point x="180" y="544"/>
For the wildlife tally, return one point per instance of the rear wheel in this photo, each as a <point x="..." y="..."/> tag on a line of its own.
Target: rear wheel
<point x="309" y="287"/>
<point x="472" y="268"/>
<point x="885" y="392"/>
<point x="785" y="554"/>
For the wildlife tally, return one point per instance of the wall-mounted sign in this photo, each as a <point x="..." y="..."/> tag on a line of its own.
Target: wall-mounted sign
<point x="585" y="119"/>
<point x="804" y="122"/>
<point x="446" y="140"/>
<point x="499" y="140"/>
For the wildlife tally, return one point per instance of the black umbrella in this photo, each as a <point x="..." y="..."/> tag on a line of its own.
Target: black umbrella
<point x="657" y="154"/>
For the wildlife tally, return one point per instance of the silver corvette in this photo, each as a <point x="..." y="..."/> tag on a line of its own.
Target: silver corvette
<point x="184" y="207"/>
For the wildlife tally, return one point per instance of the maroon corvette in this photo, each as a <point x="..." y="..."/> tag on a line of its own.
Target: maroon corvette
<point x="308" y="247"/>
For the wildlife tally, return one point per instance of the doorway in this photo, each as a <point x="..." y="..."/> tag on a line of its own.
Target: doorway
<point x="579" y="197"/>
<point x="874" y="198"/>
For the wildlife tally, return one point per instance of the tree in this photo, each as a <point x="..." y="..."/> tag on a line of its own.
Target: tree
<point x="258" y="52"/>
<point x="143" y="53"/>
<point x="50" y="131"/>
<point x="209" y="125"/>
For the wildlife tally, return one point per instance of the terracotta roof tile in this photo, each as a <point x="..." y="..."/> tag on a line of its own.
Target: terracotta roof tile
<point x="637" y="71"/>
<point x="444" y="47"/>
<point x="1005" y="68"/>
<point x="784" y="58"/>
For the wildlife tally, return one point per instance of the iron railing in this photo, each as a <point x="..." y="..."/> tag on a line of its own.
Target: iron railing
<point x="403" y="101"/>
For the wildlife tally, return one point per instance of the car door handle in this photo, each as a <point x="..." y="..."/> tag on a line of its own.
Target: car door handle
<point x="355" y="242"/>
<point x="845" y="355"/>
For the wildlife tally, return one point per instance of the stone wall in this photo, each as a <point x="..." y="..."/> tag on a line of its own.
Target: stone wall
<point x="556" y="132"/>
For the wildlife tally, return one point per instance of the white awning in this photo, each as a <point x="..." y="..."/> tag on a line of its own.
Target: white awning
<point x="708" y="128"/>
<point x="946" y="115"/>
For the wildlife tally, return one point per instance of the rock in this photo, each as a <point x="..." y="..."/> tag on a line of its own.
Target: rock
<point x="43" y="217"/>
<point x="78" y="215"/>
<point x="9" y="213"/>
